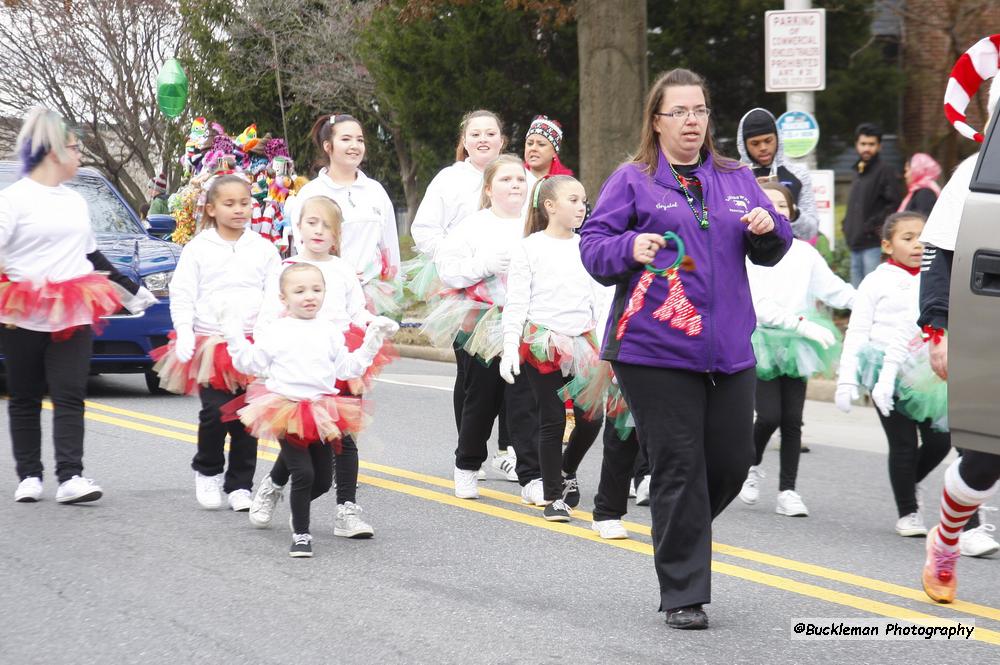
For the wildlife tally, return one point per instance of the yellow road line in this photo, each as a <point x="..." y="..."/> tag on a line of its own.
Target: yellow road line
<point x="738" y="552"/>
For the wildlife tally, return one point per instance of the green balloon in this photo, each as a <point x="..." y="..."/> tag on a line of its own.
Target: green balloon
<point x="171" y="88"/>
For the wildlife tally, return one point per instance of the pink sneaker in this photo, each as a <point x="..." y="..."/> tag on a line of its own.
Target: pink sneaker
<point x="939" y="571"/>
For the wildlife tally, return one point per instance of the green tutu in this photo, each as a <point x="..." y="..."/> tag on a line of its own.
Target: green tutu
<point x="385" y="297"/>
<point x="920" y="393"/>
<point x="485" y="341"/>
<point x="591" y="390"/>
<point x="870" y="361"/>
<point x="453" y="320"/>
<point x="420" y="280"/>
<point x="781" y="352"/>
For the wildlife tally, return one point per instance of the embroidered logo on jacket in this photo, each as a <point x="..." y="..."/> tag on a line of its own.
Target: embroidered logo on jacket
<point x="738" y="203"/>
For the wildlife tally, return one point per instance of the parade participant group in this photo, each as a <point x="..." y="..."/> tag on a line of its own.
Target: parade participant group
<point x="681" y="316"/>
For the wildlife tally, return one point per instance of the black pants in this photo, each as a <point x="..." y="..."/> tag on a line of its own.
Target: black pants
<point x="980" y="471"/>
<point x="311" y="471"/>
<point x="908" y="462"/>
<point x="210" y="460"/>
<point x="504" y="435"/>
<point x="481" y="402"/>
<point x="779" y="404"/>
<point x="698" y="432"/>
<point x="522" y="422"/>
<point x="623" y="460"/>
<point x="345" y="470"/>
<point x="33" y="361"/>
<point x="551" y="416"/>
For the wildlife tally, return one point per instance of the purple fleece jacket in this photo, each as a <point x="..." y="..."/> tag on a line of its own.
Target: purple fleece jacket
<point x="632" y="202"/>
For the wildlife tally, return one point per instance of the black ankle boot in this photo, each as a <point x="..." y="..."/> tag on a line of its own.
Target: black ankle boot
<point x="692" y="617"/>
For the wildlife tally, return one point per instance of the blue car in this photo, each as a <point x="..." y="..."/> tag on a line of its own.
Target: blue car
<point x="124" y="345"/>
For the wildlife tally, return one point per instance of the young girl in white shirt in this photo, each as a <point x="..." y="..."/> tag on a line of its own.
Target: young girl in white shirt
<point x="548" y="333"/>
<point x="369" y="241"/>
<point x="319" y="229"/>
<point x="884" y="352"/>
<point x="222" y="264"/>
<point x="303" y="356"/>
<point x="792" y="342"/>
<point x="51" y="300"/>
<point x="472" y="263"/>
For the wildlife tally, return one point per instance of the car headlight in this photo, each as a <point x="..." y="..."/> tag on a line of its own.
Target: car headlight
<point x="159" y="283"/>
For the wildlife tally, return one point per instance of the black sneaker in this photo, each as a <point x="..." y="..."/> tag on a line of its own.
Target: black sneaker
<point x="301" y="546"/>
<point x="557" y="511"/>
<point x="571" y="491"/>
<point x="687" y="618"/>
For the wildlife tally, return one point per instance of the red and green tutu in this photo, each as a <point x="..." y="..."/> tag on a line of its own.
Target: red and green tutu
<point x="782" y="352"/>
<point x="421" y="282"/>
<point x="596" y="394"/>
<point x="549" y="351"/>
<point x="63" y="306"/>
<point x="920" y="394"/>
<point x="457" y="314"/>
<point x="210" y="365"/>
<point x="384" y="294"/>
<point x="268" y="415"/>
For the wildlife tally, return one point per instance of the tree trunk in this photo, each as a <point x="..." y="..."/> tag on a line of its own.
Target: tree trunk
<point x="407" y="172"/>
<point x="611" y="38"/>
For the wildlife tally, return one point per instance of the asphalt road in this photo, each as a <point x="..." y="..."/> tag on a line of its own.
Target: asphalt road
<point x="145" y="576"/>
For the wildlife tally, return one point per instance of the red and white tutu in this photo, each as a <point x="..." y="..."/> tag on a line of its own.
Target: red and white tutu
<point x="549" y="351"/>
<point x="58" y="306"/>
<point x="354" y="337"/>
<point x="211" y="365"/>
<point x="268" y="415"/>
<point x="457" y="314"/>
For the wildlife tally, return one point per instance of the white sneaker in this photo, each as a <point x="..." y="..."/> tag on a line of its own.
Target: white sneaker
<point x="77" y="490"/>
<point x="349" y="524"/>
<point x="911" y="525"/>
<point x="790" y="503"/>
<point x="504" y="464"/>
<point x="208" y="490"/>
<point x="642" y="492"/>
<point x="240" y="501"/>
<point x="751" y="486"/>
<point x="466" y="484"/>
<point x="631" y="489"/>
<point x="28" y="490"/>
<point x="609" y="529"/>
<point x="533" y="493"/>
<point x="481" y="474"/>
<point x="978" y="541"/>
<point x="264" y="502"/>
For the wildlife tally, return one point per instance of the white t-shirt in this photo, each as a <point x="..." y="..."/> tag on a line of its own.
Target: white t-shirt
<point x="462" y="258"/>
<point x="451" y="196"/>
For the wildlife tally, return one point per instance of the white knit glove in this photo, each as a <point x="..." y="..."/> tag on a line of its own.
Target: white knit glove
<point x="845" y="396"/>
<point x="885" y="389"/>
<point x="498" y="263"/>
<point x="510" y="364"/>
<point x="380" y="329"/>
<point x="140" y="301"/>
<point x="184" y="345"/>
<point x="816" y="333"/>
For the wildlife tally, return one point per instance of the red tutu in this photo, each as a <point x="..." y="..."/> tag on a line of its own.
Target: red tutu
<point x="353" y="339"/>
<point x="210" y="365"/>
<point x="268" y="415"/>
<point x="60" y="306"/>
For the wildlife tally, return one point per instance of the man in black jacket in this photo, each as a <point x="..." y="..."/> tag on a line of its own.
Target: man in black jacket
<point x="875" y="194"/>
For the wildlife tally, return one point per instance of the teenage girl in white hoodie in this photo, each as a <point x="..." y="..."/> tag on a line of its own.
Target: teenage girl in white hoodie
<point x="223" y="264"/>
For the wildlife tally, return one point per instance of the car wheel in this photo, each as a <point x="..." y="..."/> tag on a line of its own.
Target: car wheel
<point x="153" y="383"/>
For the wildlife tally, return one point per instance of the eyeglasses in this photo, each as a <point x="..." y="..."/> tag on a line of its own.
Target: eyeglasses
<point x="682" y="114"/>
<point x="73" y="146"/>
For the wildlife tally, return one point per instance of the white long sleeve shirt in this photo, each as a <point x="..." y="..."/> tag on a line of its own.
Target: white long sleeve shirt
<point x="343" y="304"/>
<point x="301" y="358"/>
<point x="212" y="271"/>
<point x="885" y="315"/>
<point x="548" y="286"/>
<point x="462" y="260"/>
<point x="369" y="226"/>
<point x="788" y="290"/>
<point x="451" y="196"/>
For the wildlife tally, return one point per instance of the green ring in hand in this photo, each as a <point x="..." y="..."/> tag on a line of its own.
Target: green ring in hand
<point x="668" y="236"/>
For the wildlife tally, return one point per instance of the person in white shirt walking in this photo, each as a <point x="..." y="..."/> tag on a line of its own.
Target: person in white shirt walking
<point x="222" y="263"/>
<point x="51" y="299"/>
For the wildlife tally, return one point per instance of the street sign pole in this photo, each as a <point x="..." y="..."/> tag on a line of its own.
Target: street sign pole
<point x="802" y="100"/>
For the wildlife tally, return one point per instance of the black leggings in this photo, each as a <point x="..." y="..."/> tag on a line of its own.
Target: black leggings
<point x="779" y="404"/>
<point x="33" y="361"/>
<point x="980" y="471"/>
<point x="623" y="459"/>
<point x="345" y="470"/>
<point x="312" y="474"/>
<point x="551" y="410"/>
<point x="210" y="459"/>
<point x="908" y="462"/>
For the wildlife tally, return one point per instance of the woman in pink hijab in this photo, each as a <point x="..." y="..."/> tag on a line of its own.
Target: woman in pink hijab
<point x="921" y="174"/>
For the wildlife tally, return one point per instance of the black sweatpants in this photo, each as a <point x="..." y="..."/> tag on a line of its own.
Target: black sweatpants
<point x="210" y="459"/>
<point x="34" y="360"/>
<point x="481" y="402"/>
<point x="622" y="459"/>
<point x="521" y="417"/>
<point x="779" y="404"/>
<point x="505" y="437"/>
<point x="551" y="417"/>
<point x="908" y="462"/>
<point x="980" y="471"/>
<point x="345" y="466"/>
<point x="698" y="432"/>
<point x="311" y="472"/>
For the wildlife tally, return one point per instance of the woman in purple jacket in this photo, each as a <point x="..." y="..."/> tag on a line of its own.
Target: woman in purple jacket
<point x="678" y="336"/>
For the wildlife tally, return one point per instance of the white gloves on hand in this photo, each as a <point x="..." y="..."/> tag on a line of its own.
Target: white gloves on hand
<point x="816" y="333"/>
<point x="885" y="388"/>
<point x="498" y="263"/>
<point x="184" y="345"/>
<point x="510" y="364"/>
<point x="139" y="302"/>
<point x="377" y="332"/>
<point x="845" y="396"/>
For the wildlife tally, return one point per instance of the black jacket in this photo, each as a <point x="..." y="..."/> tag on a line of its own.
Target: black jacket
<point x="875" y="194"/>
<point x="935" y="287"/>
